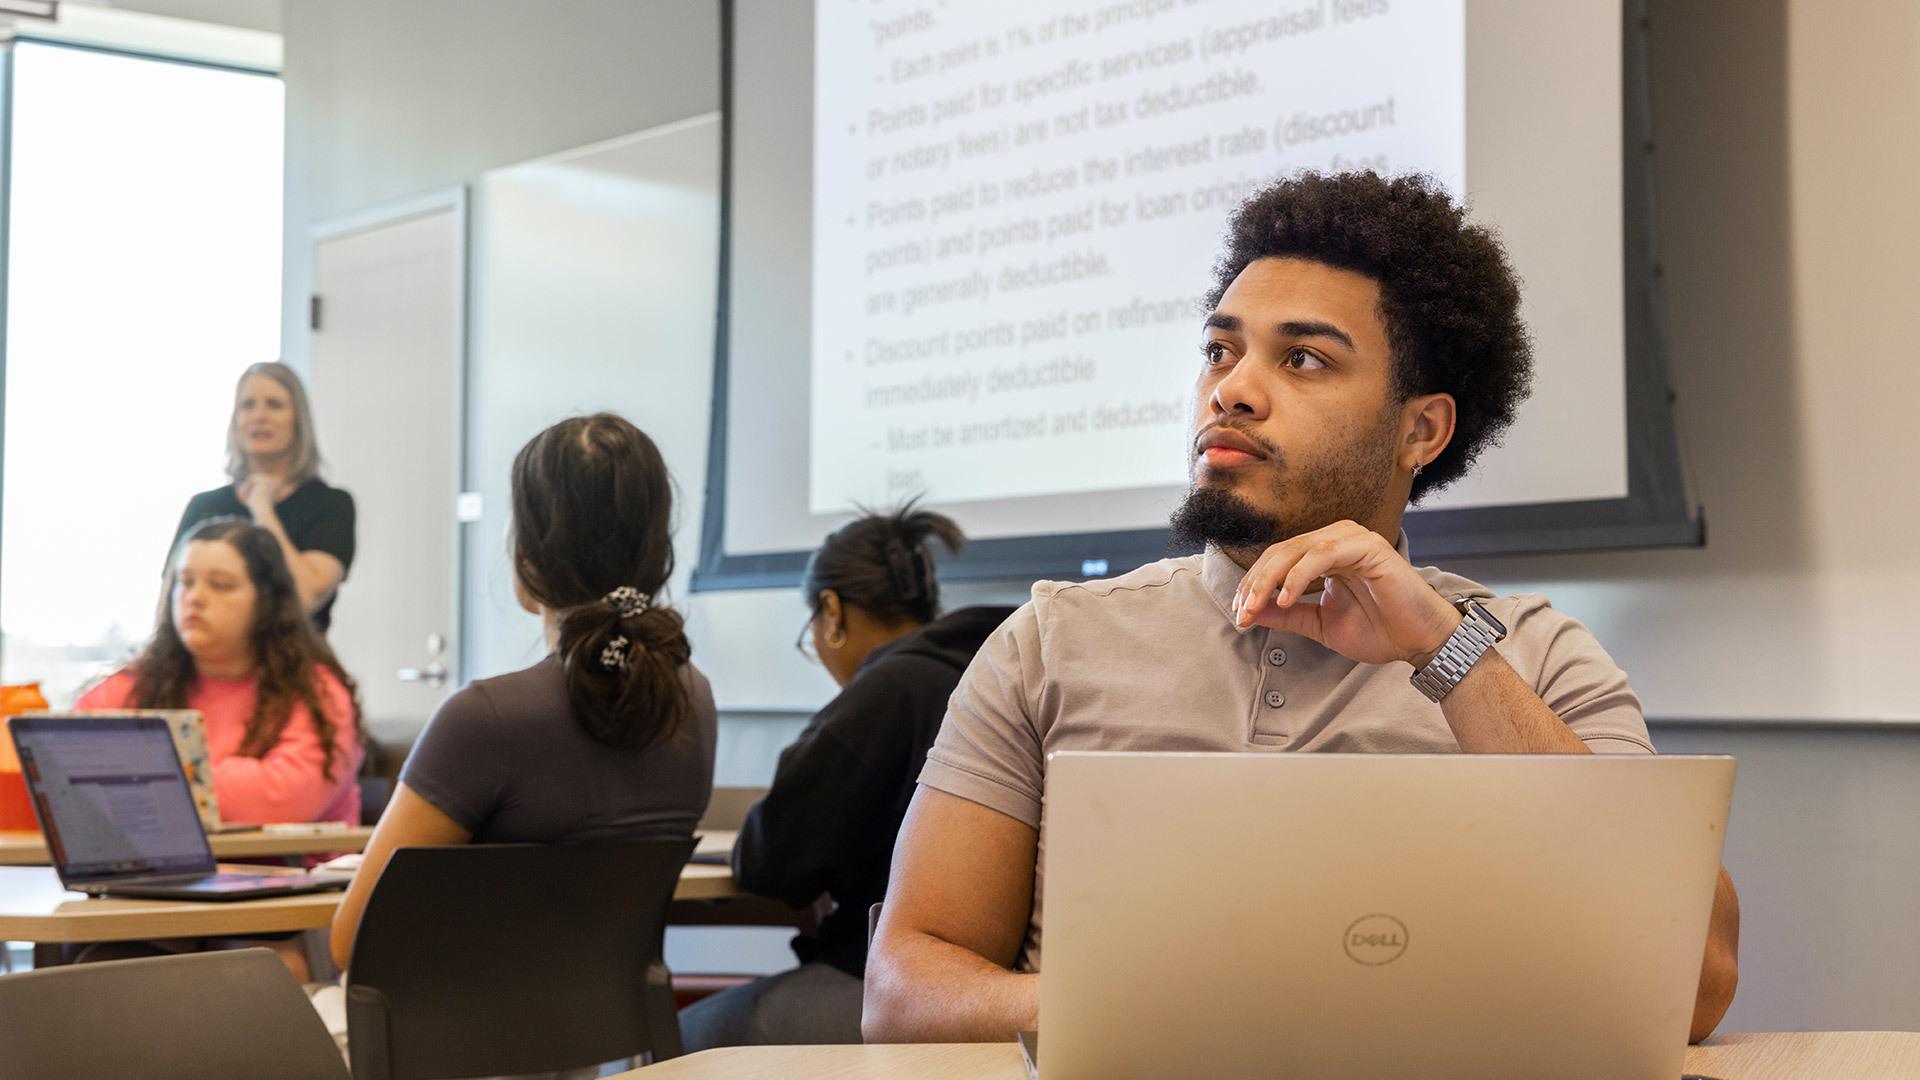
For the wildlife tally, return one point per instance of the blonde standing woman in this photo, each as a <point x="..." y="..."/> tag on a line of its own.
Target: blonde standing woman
<point x="274" y="464"/>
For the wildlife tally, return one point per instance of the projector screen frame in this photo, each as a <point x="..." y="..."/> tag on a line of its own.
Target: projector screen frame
<point x="1659" y="510"/>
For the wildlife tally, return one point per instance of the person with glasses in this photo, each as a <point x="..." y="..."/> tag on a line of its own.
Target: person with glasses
<point x="826" y="826"/>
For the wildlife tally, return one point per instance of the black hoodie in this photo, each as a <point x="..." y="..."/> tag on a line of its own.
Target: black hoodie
<point x="841" y="790"/>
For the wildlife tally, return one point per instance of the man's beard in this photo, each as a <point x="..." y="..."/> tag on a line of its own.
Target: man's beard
<point x="1213" y="515"/>
<point x="1349" y="485"/>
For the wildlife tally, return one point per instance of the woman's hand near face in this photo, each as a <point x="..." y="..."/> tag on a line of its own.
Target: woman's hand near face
<point x="261" y="494"/>
<point x="315" y="573"/>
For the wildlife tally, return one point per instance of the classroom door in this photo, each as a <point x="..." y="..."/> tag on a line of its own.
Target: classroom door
<point x="388" y="355"/>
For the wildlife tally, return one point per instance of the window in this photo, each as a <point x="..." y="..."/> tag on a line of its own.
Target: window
<point x="143" y="222"/>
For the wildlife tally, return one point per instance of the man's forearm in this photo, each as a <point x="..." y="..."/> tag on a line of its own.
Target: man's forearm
<point x="923" y="989"/>
<point x="1494" y="711"/>
<point x="1720" y="970"/>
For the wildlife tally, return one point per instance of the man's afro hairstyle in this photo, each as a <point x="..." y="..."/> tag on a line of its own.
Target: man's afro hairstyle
<point x="1448" y="298"/>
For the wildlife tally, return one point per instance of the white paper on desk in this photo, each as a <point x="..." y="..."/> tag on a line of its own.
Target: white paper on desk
<point x="345" y="864"/>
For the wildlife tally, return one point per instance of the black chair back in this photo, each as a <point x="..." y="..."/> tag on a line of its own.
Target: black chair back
<point x="514" y="958"/>
<point x="236" y="1013"/>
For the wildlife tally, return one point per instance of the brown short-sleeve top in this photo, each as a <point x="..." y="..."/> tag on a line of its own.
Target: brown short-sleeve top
<point x="1152" y="660"/>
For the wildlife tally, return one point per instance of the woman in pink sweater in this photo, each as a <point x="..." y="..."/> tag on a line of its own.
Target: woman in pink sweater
<point x="282" y="719"/>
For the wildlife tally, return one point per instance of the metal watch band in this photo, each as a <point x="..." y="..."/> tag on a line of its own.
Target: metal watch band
<point x="1478" y="631"/>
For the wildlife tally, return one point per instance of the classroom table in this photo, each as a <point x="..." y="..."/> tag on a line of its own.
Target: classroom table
<point x="33" y="907"/>
<point x="1809" y="1054"/>
<point x="30" y="848"/>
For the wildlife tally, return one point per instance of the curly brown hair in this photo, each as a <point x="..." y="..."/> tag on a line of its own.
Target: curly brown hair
<point x="287" y="650"/>
<point x="1448" y="296"/>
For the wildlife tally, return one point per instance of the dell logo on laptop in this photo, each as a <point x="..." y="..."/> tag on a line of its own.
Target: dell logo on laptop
<point x="1374" y="940"/>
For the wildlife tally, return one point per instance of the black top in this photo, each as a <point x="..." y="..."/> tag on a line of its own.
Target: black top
<point x="317" y="518"/>
<point x="504" y="758"/>
<point x="841" y="790"/>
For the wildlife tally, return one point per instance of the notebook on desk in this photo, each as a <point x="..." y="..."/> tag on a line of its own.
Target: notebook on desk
<point x="119" y="818"/>
<point x="1375" y="915"/>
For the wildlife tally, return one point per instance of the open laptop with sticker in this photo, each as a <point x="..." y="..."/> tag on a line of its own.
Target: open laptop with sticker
<point x="190" y="741"/>
<point x="119" y="817"/>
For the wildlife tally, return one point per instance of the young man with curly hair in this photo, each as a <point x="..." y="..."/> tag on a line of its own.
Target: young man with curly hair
<point x="1362" y="346"/>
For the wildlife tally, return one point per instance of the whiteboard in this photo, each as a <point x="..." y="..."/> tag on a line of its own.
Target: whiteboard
<point x="593" y="287"/>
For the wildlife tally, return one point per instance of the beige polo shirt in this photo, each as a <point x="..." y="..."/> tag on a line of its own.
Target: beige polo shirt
<point x="1152" y="661"/>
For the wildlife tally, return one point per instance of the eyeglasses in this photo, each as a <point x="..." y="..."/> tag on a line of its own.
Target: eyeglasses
<point x="804" y="642"/>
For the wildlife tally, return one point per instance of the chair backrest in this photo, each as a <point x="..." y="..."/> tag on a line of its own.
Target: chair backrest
<point x="514" y="958"/>
<point x="728" y="806"/>
<point x="387" y="747"/>
<point x="237" y="1013"/>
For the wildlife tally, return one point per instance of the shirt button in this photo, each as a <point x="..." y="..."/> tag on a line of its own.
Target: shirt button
<point x="1277" y="657"/>
<point x="1275" y="699"/>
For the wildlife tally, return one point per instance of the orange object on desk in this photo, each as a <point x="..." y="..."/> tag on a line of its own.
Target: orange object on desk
<point x="16" y="809"/>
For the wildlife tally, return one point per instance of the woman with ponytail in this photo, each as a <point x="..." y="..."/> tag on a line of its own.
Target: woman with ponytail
<point x="611" y="736"/>
<point x="826" y="826"/>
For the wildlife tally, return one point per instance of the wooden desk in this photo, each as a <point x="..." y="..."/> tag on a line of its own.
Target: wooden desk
<point x="922" y="1061"/>
<point x="33" y="907"/>
<point x="1821" y="1055"/>
<point x="30" y="848"/>
<point x="1808" y="1053"/>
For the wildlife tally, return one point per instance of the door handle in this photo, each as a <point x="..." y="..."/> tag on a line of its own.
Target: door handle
<point x="434" y="674"/>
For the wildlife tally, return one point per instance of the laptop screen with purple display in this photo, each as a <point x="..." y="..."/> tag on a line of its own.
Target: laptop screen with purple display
<point x="112" y="798"/>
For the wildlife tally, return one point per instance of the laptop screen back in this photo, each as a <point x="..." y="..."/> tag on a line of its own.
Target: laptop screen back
<point x="1376" y="915"/>
<point x="111" y="797"/>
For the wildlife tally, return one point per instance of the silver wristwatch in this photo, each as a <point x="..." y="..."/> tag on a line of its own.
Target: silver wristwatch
<point x="1477" y="632"/>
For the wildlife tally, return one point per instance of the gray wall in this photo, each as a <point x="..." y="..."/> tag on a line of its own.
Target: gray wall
<point x="387" y="100"/>
<point x="1821" y="847"/>
<point x="1786" y="226"/>
<point x="245" y="14"/>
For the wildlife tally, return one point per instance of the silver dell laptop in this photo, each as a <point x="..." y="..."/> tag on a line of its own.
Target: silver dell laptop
<point x="1375" y="915"/>
<point x="119" y="817"/>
